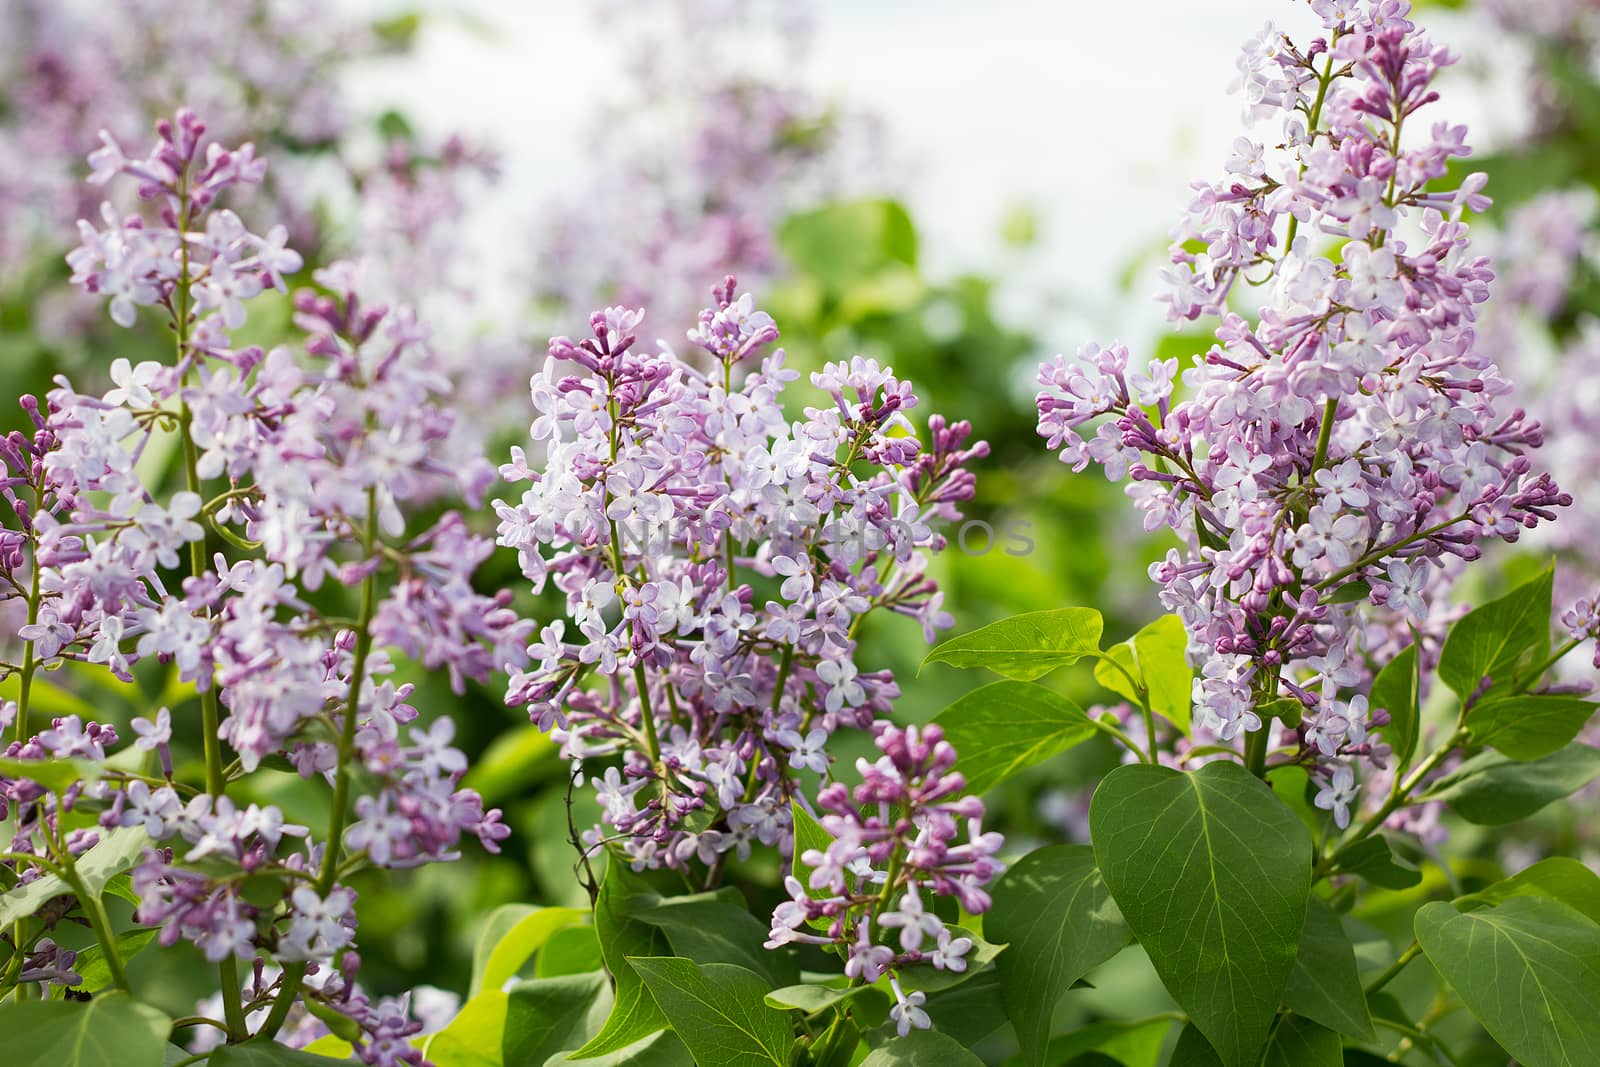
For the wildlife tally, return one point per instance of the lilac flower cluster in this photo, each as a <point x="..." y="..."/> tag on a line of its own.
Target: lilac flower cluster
<point x="896" y="844"/>
<point x="716" y="561"/>
<point x="1337" y="449"/>
<point x="307" y="467"/>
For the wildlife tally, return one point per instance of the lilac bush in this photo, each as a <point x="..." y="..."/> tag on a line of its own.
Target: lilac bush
<point x="716" y="561"/>
<point x="306" y="468"/>
<point x="1346" y="444"/>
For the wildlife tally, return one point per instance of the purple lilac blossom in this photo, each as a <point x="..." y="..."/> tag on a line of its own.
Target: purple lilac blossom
<point x="717" y="560"/>
<point x="315" y="460"/>
<point x="1342" y="447"/>
<point x="896" y="846"/>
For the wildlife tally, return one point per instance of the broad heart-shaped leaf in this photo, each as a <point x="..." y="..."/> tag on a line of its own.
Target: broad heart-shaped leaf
<point x="1025" y="647"/>
<point x="633" y="1013"/>
<point x="1295" y="1042"/>
<point x="1004" y="728"/>
<point x="1529" y="969"/>
<point x="1056" y="917"/>
<point x="718" y="1011"/>
<point x="707" y="930"/>
<point x="1325" y="986"/>
<point x="116" y="852"/>
<point x="1489" y="641"/>
<point x="1528" y="726"/>
<point x="1157" y="657"/>
<point x="548" y="1015"/>
<point x="473" y="1038"/>
<point x="922" y="1048"/>
<point x="264" y="1054"/>
<point x="1212" y="873"/>
<point x="109" y="1031"/>
<point x="1395" y="691"/>
<point x="1558" y="877"/>
<point x="510" y="936"/>
<point x="1491" y="790"/>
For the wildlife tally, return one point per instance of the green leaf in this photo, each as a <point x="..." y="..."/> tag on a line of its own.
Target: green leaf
<point x="718" y="1010"/>
<point x="1299" y="1042"/>
<point x="712" y="931"/>
<point x="574" y="950"/>
<point x="1025" y="647"/>
<point x="813" y="998"/>
<point x="634" y="1013"/>
<point x="473" y="1037"/>
<point x="1106" y="672"/>
<point x="1193" y="1050"/>
<point x="1371" y="858"/>
<point x="1350" y="593"/>
<point x="971" y="1011"/>
<point x="808" y="836"/>
<point x="1558" y="877"/>
<point x="1212" y="873"/>
<point x="91" y="964"/>
<point x="1295" y="1042"/>
<point x="1529" y="970"/>
<point x="1130" y="1043"/>
<point x="922" y="1048"/>
<point x="1004" y="728"/>
<point x="263" y="1054"/>
<point x="109" y="1031"/>
<point x="1528" y="726"/>
<point x="1156" y="656"/>
<point x="1395" y="691"/>
<point x="933" y="980"/>
<point x="1488" y="642"/>
<point x="547" y="1016"/>
<point x="660" y="1049"/>
<point x="1491" y="790"/>
<point x="510" y="936"/>
<point x="116" y="852"/>
<point x="1287" y="710"/>
<point x="1054" y="913"/>
<point x="56" y="775"/>
<point x="1325" y="986"/>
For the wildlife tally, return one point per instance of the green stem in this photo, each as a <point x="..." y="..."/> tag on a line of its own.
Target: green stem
<point x="1397" y="797"/>
<point x="98" y="920"/>
<point x="1324" y="435"/>
<point x="1411" y="953"/>
<point x="1255" y="752"/>
<point x="210" y="716"/>
<point x="30" y="664"/>
<point x="289" y="986"/>
<point x="647" y="714"/>
<point x="1555" y="657"/>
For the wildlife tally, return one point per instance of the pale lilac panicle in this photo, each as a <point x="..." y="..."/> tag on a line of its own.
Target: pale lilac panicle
<point x="325" y="453"/>
<point x="1337" y="454"/>
<point x="716" y="560"/>
<point x="932" y="845"/>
